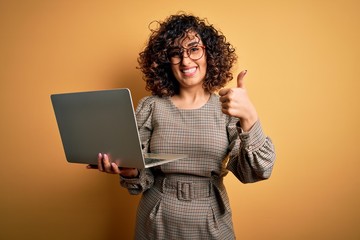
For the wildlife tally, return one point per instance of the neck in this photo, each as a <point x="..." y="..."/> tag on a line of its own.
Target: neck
<point x="188" y="99"/>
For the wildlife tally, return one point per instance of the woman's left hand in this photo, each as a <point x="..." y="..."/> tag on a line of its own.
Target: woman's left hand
<point x="236" y="103"/>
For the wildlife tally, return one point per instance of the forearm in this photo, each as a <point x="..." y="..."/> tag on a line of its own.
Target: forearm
<point x="255" y="156"/>
<point x="139" y="184"/>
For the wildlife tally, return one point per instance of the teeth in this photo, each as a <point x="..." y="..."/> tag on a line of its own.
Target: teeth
<point x="190" y="70"/>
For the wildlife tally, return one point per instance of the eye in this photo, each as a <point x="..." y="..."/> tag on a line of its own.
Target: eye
<point x="174" y="53"/>
<point x="194" y="49"/>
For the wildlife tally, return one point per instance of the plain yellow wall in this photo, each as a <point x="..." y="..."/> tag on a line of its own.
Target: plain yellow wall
<point x="303" y="68"/>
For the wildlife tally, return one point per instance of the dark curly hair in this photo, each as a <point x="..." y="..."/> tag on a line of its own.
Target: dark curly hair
<point x="154" y="63"/>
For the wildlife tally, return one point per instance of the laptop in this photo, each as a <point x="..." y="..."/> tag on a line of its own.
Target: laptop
<point x="103" y="122"/>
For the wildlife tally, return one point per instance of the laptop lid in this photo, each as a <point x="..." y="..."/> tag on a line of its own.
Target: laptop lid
<point x="101" y="122"/>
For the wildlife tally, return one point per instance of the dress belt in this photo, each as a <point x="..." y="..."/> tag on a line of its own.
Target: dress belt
<point x="184" y="188"/>
<point x="188" y="188"/>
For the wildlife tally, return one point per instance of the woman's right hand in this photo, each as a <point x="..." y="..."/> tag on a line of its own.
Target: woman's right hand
<point x="105" y="165"/>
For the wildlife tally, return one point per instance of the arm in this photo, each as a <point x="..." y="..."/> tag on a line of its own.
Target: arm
<point x="138" y="184"/>
<point x="144" y="179"/>
<point x="252" y="154"/>
<point x="135" y="180"/>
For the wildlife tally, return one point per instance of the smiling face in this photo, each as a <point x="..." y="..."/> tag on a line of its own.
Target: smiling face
<point x="188" y="72"/>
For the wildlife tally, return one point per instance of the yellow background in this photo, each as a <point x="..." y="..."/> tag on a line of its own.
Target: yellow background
<point x="303" y="68"/>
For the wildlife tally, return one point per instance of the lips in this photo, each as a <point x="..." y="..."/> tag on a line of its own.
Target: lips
<point x="189" y="71"/>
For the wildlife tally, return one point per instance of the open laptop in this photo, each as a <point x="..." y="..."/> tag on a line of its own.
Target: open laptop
<point x="103" y="122"/>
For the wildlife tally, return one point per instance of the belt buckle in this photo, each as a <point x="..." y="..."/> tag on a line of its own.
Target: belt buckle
<point x="185" y="191"/>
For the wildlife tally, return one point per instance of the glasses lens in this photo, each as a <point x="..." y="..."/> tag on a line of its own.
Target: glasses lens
<point x="175" y="55"/>
<point x="195" y="52"/>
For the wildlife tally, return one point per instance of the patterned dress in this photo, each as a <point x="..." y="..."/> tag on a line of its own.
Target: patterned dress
<point x="186" y="199"/>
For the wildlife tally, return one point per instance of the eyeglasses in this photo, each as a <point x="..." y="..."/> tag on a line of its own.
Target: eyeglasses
<point x="196" y="52"/>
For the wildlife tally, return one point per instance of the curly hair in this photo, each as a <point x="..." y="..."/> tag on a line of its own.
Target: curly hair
<point x="156" y="68"/>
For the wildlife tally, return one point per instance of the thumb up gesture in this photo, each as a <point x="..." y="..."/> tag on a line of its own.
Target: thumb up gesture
<point x="236" y="103"/>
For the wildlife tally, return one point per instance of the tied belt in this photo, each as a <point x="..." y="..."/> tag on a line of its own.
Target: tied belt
<point x="188" y="188"/>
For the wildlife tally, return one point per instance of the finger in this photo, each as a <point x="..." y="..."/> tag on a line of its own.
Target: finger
<point x="224" y="91"/>
<point x="92" y="166"/>
<point x="100" y="165"/>
<point x="240" y="79"/>
<point x="224" y="99"/>
<point x="115" y="168"/>
<point x="106" y="162"/>
<point x="225" y="111"/>
<point x="225" y="105"/>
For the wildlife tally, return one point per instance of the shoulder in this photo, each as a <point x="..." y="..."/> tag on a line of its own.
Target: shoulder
<point x="148" y="100"/>
<point x="215" y="97"/>
<point x="146" y="104"/>
<point x="215" y="102"/>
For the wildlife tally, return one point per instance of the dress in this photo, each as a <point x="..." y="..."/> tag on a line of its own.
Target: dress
<point x="186" y="199"/>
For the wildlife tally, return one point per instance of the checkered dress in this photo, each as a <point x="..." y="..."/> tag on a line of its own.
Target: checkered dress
<point x="186" y="199"/>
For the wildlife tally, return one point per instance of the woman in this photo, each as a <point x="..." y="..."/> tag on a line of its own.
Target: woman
<point x="185" y="62"/>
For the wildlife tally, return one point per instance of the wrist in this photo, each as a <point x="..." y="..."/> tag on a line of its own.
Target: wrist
<point x="130" y="173"/>
<point x="247" y="123"/>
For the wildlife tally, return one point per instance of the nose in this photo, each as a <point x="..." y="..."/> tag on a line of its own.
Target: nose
<point x="185" y="58"/>
<point x="187" y="53"/>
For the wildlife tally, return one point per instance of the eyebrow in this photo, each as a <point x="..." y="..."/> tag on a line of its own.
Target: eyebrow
<point x="189" y="45"/>
<point x="193" y="43"/>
